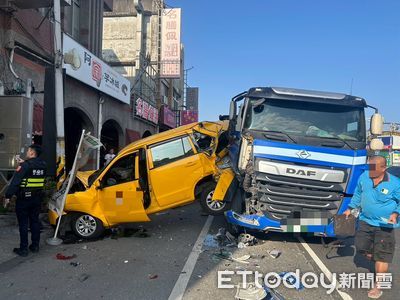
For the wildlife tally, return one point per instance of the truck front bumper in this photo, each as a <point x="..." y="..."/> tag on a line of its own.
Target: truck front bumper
<point x="263" y="223"/>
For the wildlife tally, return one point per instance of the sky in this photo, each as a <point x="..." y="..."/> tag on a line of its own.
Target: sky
<point x="320" y="45"/>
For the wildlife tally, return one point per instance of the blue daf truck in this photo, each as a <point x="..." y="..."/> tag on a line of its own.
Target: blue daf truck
<point x="296" y="156"/>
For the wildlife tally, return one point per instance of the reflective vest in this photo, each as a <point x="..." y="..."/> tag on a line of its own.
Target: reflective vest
<point x="35" y="177"/>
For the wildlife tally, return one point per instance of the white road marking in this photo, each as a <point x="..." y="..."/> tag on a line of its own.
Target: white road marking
<point x="322" y="267"/>
<point x="186" y="273"/>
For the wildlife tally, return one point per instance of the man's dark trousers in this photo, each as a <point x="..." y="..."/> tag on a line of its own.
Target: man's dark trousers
<point x="27" y="210"/>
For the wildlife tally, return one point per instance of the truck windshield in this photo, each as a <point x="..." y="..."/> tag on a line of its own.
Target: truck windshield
<point x="306" y="119"/>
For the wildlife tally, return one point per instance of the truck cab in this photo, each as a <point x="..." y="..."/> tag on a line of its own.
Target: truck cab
<point x="296" y="156"/>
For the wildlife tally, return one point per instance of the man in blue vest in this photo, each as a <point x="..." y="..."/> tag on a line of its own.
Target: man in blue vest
<point x="27" y="185"/>
<point x="378" y="197"/>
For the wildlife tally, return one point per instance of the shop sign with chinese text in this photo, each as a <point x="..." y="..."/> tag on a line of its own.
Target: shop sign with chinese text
<point x="146" y="111"/>
<point x="84" y="66"/>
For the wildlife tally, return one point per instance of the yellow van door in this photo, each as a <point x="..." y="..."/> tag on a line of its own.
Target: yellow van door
<point x="175" y="171"/>
<point x="120" y="195"/>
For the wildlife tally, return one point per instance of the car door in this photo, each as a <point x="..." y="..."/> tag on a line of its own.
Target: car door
<point x="120" y="195"/>
<point x="175" y="170"/>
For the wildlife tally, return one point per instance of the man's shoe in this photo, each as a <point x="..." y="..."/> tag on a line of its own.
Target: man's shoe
<point x="21" y="252"/>
<point x="34" y="249"/>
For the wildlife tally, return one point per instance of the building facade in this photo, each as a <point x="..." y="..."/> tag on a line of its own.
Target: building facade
<point x="27" y="51"/>
<point x="191" y="112"/>
<point x="132" y="46"/>
<point x="125" y="34"/>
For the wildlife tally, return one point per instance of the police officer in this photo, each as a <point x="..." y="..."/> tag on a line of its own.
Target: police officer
<point x="27" y="185"/>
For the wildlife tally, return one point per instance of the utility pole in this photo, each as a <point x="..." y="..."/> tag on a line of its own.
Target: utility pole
<point x="160" y="6"/>
<point x="59" y="89"/>
<point x="99" y="127"/>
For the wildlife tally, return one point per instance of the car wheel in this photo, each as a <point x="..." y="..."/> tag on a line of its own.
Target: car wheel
<point x="209" y="205"/>
<point x="86" y="226"/>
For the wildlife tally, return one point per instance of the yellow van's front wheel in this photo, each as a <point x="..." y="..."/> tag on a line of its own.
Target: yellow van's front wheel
<point x="210" y="206"/>
<point x="86" y="226"/>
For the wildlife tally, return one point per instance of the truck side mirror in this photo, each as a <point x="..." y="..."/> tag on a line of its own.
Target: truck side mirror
<point x="376" y="125"/>
<point x="376" y="144"/>
<point x="232" y="110"/>
<point x="232" y="118"/>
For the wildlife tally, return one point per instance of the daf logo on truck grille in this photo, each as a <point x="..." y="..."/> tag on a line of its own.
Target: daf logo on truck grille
<point x="300" y="172"/>
<point x="303" y="154"/>
<point x="296" y="171"/>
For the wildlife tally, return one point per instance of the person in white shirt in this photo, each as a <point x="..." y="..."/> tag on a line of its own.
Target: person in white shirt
<point x="109" y="156"/>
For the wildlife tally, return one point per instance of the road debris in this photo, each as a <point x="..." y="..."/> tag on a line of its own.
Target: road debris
<point x="85" y="247"/>
<point x="273" y="294"/>
<point x="210" y="241"/>
<point x="75" y="264"/>
<point x="224" y="238"/>
<point x="242" y="259"/>
<point x="221" y="235"/>
<point x="241" y="245"/>
<point x="126" y="261"/>
<point x="245" y="240"/>
<point x="153" y="276"/>
<point x="83" y="277"/>
<point x="61" y="256"/>
<point x="222" y="255"/>
<point x="250" y="292"/>
<point x="274" y="253"/>
<point x="162" y="213"/>
<point x="230" y="237"/>
<point x="225" y="255"/>
<point x="292" y="279"/>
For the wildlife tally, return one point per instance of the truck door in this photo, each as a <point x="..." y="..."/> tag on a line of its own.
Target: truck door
<point x="175" y="171"/>
<point x="120" y="196"/>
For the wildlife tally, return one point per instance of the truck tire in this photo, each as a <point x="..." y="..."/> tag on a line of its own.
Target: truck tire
<point x="209" y="206"/>
<point x="236" y="206"/>
<point x="86" y="226"/>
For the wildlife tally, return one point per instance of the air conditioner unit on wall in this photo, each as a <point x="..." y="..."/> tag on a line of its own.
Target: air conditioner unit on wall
<point x="15" y="129"/>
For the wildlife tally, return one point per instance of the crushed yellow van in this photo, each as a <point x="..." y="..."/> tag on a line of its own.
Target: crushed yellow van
<point x="157" y="173"/>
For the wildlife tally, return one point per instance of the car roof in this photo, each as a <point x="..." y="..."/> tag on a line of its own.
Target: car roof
<point x="162" y="136"/>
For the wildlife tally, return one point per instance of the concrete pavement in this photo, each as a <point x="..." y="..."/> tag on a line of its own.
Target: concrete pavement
<point x="149" y="268"/>
<point x="9" y="235"/>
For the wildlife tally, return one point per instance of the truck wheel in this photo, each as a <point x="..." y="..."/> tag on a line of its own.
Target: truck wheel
<point x="236" y="206"/>
<point x="210" y="206"/>
<point x="86" y="226"/>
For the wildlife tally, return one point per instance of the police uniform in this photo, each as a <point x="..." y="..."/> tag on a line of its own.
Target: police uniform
<point x="27" y="184"/>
